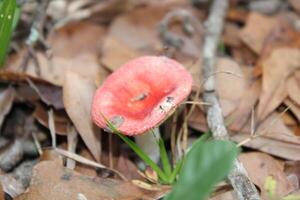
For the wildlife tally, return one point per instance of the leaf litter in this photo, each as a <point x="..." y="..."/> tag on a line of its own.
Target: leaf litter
<point x="257" y="74"/>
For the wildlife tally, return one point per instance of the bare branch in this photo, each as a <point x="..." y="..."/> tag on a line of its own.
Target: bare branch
<point x="238" y="177"/>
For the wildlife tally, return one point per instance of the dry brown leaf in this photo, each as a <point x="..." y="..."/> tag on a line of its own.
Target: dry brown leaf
<point x="256" y="30"/>
<point x="115" y="53"/>
<point x="244" y="109"/>
<point x="274" y="128"/>
<point x="228" y="195"/>
<point x="1" y="193"/>
<point x="84" y="169"/>
<point x="77" y="38"/>
<point x="133" y="34"/>
<point x="274" y="138"/>
<point x="293" y="89"/>
<point x="61" y="119"/>
<point x="231" y="30"/>
<point x="294" y="108"/>
<point x="54" y="70"/>
<point x="282" y="35"/>
<point x="259" y="166"/>
<point x="77" y="95"/>
<point x="295" y="4"/>
<point x="230" y="84"/>
<point x="52" y="181"/>
<point x="7" y="96"/>
<point x="281" y="63"/>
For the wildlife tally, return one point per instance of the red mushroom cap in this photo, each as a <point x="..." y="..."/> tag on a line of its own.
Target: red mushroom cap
<point x="141" y="94"/>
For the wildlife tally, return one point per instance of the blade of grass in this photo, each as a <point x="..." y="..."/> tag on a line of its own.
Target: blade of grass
<point x="176" y="170"/>
<point x="7" y="11"/>
<point x="164" y="158"/>
<point x="138" y="151"/>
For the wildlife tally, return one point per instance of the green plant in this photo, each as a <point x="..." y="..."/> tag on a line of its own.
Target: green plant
<point x="9" y="13"/>
<point x="167" y="174"/>
<point x="270" y="187"/>
<point x="206" y="164"/>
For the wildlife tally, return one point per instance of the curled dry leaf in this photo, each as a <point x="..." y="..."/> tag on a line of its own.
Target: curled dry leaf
<point x="276" y="69"/>
<point x="77" y="95"/>
<point x="259" y="166"/>
<point x="52" y="181"/>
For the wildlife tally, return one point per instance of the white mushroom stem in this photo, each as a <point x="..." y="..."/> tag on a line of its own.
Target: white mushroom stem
<point x="148" y="142"/>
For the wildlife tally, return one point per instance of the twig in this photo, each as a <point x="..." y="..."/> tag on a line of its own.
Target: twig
<point x="238" y="177"/>
<point x="36" y="34"/>
<point x="72" y="138"/>
<point x="86" y="161"/>
<point x="51" y="125"/>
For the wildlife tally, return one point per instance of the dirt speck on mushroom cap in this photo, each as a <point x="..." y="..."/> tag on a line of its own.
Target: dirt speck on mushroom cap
<point x="143" y="92"/>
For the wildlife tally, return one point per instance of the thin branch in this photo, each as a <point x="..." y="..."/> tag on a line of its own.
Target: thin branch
<point x="238" y="177"/>
<point x="36" y="34"/>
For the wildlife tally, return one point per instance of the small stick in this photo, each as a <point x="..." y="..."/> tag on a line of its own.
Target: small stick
<point x="85" y="161"/>
<point x="238" y="177"/>
<point x="36" y="34"/>
<point x="52" y="127"/>
<point x="72" y="138"/>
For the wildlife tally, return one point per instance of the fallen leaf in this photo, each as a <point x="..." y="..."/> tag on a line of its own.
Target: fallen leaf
<point x="115" y="53"/>
<point x="282" y="35"/>
<point x="77" y="95"/>
<point x="274" y="138"/>
<point x="248" y="101"/>
<point x="229" y="195"/>
<point x="293" y="88"/>
<point x="1" y="193"/>
<point x="7" y="96"/>
<point x="61" y="119"/>
<point x="52" y="181"/>
<point x="54" y="70"/>
<point x="256" y="30"/>
<point x="68" y="42"/>
<point x="295" y="4"/>
<point x="276" y="69"/>
<point x="259" y="166"/>
<point x="231" y="30"/>
<point x="293" y="107"/>
<point x="133" y="34"/>
<point x="230" y="84"/>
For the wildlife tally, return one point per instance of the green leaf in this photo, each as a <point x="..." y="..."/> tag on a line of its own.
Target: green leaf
<point x="137" y="150"/>
<point x="164" y="158"/>
<point x="206" y="164"/>
<point x="7" y="13"/>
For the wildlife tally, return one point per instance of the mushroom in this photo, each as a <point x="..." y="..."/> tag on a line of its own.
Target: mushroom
<point x="139" y="96"/>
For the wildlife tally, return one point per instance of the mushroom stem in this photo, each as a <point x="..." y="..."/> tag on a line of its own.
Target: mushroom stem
<point x="148" y="142"/>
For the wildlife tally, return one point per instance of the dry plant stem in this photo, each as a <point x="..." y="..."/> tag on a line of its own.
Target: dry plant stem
<point x="88" y="162"/>
<point x="72" y="138"/>
<point x="52" y="127"/>
<point x="238" y="177"/>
